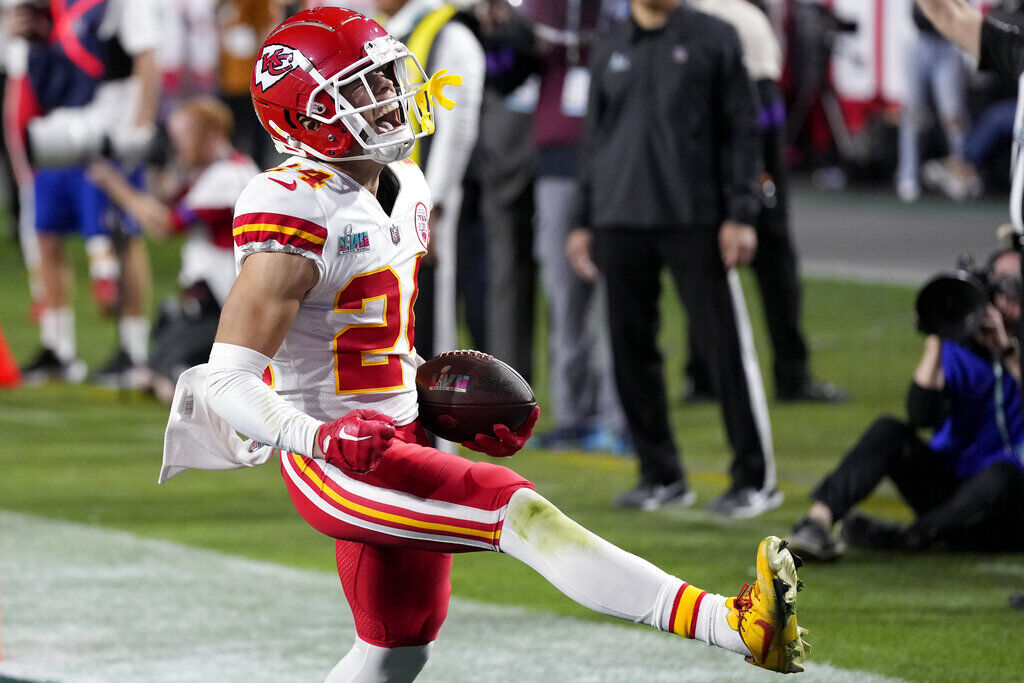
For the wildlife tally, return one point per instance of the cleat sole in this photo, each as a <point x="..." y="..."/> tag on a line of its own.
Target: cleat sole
<point x="786" y="584"/>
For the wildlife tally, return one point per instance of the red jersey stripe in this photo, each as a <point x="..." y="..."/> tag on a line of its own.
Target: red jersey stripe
<point x="284" y="236"/>
<point x="283" y="220"/>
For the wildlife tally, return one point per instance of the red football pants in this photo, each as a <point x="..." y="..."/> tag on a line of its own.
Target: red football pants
<point x="397" y="526"/>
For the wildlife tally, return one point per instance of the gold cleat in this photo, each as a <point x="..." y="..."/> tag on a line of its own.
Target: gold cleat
<point x="764" y="613"/>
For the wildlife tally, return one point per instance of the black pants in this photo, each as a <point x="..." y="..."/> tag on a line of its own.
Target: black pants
<point x="183" y="334"/>
<point x="982" y="512"/>
<point x="631" y="263"/>
<point x="775" y="265"/>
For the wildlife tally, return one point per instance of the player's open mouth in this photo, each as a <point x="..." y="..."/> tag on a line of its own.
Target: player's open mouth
<point x="388" y="118"/>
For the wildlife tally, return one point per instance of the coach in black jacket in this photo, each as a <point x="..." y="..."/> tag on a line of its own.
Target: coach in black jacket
<point x="668" y="178"/>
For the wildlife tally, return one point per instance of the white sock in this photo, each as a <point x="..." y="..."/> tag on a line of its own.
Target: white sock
<point x="103" y="263"/>
<point x="366" y="663"/>
<point x="57" y="332"/>
<point x="134" y="334"/>
<point x="713" y="627"/>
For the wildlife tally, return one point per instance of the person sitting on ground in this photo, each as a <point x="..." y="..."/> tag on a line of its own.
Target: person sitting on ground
<point x="200" y="133"/>
<point x="966" y="486"/>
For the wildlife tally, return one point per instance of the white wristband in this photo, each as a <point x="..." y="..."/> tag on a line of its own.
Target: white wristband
<point x="236" y="392"/>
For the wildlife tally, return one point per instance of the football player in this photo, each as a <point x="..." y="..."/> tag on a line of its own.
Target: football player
<point x="315" y="356"/>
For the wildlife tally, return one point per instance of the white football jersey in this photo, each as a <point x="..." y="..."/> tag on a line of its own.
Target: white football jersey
<point x="351" y="345"/>
<point x="207" y="211"/>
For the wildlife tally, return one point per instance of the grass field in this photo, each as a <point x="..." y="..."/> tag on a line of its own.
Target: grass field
<point x="90" y="455"/>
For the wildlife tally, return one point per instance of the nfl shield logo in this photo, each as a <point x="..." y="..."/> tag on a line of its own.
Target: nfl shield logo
<point x="396" y="235"/>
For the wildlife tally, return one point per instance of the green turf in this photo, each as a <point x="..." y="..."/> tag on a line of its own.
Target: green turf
<point x="92" y="455"/>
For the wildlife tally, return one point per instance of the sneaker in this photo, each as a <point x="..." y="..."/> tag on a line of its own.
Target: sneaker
<point x="603" y="440"/>
<point x="119" y="373"/>
<point x="908" y="191"/>
<point x="764" y="613"/>
<point x="1017" y="601"/>
<point x="868" y="532"/>
<point x="744" y="502"/>
<point x="812" y="391"/>
<point x="954" y="178"/>
<point x="47" y="367"/>
<point x="815" y="542"/>
<point x="648" y="497"/>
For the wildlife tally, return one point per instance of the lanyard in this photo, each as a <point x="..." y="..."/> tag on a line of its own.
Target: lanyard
<point x="1000" y="401"/>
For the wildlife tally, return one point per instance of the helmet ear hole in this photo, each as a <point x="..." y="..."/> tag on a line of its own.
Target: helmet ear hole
<point x="308" y="123"/>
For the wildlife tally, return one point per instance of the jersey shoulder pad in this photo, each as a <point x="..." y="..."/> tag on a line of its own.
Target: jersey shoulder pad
<point x="269" y="217"/>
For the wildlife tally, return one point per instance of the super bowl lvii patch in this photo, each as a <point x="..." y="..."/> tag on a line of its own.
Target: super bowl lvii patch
<point x="353" y="242"/>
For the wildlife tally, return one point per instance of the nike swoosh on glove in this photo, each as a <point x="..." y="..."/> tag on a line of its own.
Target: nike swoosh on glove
<point x="508" y="442"/>
<point x="357" y="441"/>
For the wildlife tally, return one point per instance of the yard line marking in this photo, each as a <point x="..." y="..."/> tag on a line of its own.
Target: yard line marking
<point x="83" y="603"/>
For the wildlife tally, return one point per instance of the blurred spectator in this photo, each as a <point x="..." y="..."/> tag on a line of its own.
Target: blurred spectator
<point x="200" y="133"/>
<point x="94" y="80"/>
<point x="811" y="40"/>
<point x="966" y="485"/>
<point x="668" y="173"/>
<point x="935" y="68"/>
<point x="960" y="178"/>
<point x="775" y="263"/>
<point x="188" y="52"/>
<point x="583" y="397"/>
<point x="439" y="38"/>
<point x="17" y="109"/>
<point x="501" y="177"/>
<point x="243" y="26"/>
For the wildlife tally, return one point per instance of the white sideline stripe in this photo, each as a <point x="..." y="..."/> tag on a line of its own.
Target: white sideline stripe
<point x="82" y="603"/>
<point x="755" y="384"/>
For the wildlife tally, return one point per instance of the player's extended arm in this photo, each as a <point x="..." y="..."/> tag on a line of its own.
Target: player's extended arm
<point x="154" y="216"/>
<point x="956" y="20"/>
<point x="257" y="314"/>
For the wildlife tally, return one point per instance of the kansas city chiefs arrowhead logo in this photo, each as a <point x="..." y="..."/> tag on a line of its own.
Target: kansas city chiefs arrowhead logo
<point x="274" y="63"/>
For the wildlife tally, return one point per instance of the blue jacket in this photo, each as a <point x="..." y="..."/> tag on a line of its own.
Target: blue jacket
<point x="985" y="424"/>
<point x="65" y="71"/>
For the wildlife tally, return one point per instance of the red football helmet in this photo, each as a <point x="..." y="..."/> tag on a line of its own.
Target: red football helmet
<point x="303" y="68"/>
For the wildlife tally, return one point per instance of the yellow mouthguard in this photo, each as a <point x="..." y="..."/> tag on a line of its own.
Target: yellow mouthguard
<point x="434" y="88"/>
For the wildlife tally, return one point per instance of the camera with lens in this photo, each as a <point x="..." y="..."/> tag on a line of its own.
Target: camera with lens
<point x="952" y="304"/>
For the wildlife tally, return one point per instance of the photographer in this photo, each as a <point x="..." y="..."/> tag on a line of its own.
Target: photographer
<point x="966" y="485"/>
<point x="200" y="135"/>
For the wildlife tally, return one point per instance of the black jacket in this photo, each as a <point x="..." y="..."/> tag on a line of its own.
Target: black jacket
<point x="671" y="138"/>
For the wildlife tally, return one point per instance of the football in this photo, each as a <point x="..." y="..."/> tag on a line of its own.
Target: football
<point x="465" y="393"/>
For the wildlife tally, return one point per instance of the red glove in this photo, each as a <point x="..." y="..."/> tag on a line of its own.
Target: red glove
<point x="508" y="442"/>
<point x="357" y="441"/>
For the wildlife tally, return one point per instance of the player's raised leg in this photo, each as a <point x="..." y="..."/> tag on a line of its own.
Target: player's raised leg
<point x="759" y="623"/>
